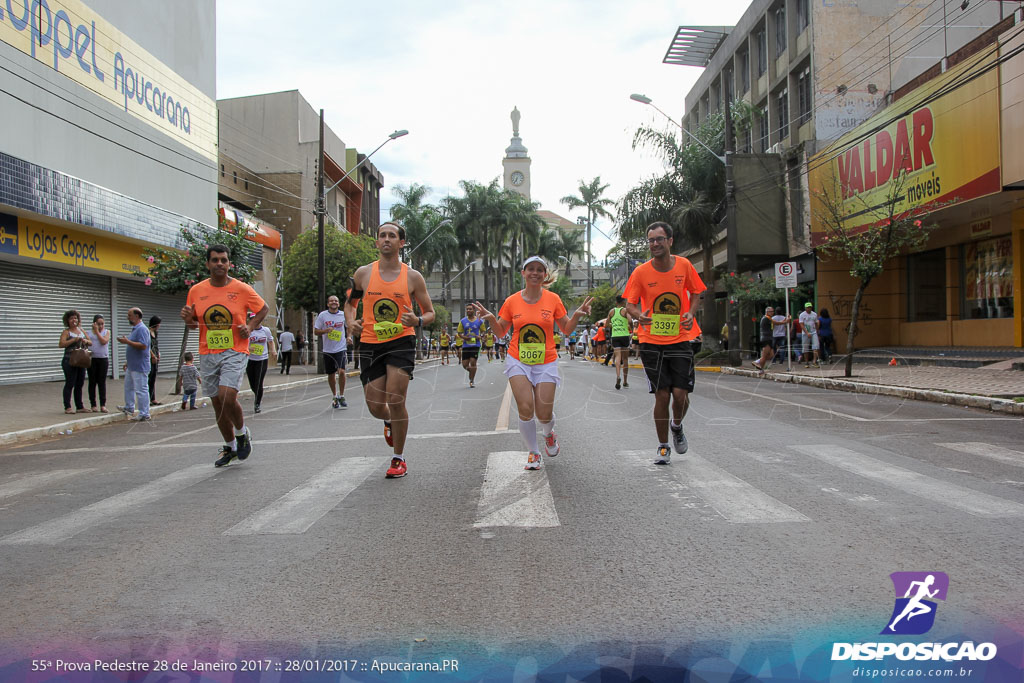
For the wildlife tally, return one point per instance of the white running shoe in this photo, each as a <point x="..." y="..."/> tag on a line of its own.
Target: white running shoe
<point x="679" y="439"/>
<point x="664" y="456"/>
<point x="533" y="461"/>
<point x="551" y="445"/>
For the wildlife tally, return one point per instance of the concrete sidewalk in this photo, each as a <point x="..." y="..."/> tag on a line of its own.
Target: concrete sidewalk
<point x="35" y="410"/>
<point x="993" y="387"/>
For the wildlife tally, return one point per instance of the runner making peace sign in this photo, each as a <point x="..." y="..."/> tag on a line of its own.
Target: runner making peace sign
<point x="531" y="364"/>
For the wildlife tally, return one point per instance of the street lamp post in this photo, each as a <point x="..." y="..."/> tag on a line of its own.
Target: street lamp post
<point x="321" y="211"/>
<point x="731" y="252"/>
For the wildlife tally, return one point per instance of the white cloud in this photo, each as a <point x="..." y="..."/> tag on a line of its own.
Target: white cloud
<point x="451" y="72"/>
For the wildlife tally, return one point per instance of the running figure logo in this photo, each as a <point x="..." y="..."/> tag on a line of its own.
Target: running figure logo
<point x="914" y="612"/>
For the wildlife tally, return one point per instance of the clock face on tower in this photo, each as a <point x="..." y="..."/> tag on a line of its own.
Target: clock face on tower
<point x="517" y="178"/>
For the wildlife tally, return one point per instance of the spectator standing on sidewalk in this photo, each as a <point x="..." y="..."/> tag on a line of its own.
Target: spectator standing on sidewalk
<point x="138" y="356"/>
<point x="74" y="378"/>
<point x="811" y="343"/>
<point x="99" y="338"/>
<point x="287" y="340"/>
<point x="828" y="342"/>
<point x="154" y="357"/>
<point x="780" y="339"/>
<point x="190" y="381"/>
<point x="300" y="349"/>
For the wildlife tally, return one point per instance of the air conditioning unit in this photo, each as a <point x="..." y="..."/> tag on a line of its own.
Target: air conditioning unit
<point x="775" y="149"/>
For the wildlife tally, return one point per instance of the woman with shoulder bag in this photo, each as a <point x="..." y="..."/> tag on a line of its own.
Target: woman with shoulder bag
<point x="75" y="361"/>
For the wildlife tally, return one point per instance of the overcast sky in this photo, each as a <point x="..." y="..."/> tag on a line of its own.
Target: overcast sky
<point x="450" y="72"/>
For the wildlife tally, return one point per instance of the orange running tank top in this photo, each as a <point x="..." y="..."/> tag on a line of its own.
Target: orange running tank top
<point x="383" y="305"/>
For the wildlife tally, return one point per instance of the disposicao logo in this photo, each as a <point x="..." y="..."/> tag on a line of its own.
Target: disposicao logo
<point x="914" y="614"/>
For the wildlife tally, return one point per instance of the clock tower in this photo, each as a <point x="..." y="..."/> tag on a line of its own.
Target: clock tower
<point x="516" y="162"/>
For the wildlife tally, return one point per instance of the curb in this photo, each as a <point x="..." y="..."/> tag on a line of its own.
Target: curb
<point x="998" y="405"/>
<point x="32" y="433"/>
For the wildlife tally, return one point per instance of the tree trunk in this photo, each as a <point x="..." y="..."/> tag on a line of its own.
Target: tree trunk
<point x="851" y="331"/>
<point x="181" y="361"/>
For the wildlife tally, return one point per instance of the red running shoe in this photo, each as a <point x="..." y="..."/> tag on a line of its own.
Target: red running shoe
<point x="397" y="469"/>
<point x="387" y="434"/>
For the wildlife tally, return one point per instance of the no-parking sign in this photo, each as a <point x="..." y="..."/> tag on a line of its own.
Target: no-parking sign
<point x="785" y="274"/>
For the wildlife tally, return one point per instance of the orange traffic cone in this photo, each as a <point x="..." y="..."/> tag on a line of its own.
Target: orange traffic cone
<point x="893" y="363"/>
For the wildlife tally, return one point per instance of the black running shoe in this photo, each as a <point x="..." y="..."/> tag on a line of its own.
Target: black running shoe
<point x="244" y="445"/>
<point x="226" y="456"/>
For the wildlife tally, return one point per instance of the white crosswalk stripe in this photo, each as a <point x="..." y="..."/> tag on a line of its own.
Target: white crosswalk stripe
<point x="34" y="481"/>
<point x="299" y="509"/>
<point x="987" y="450"/>
<point x="513" y="496"/>
<point x="67" y="526"/>
<point x="731" y="497"/>
<point x="915" y="483"/>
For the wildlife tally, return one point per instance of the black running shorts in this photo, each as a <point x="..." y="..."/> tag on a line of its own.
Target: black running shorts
<point x="620" y="342"/>
<point x="668" y="366"/>
<point x="334" y="362"/>
<point x="374" y="358"/>
<point x="470" y="352"/>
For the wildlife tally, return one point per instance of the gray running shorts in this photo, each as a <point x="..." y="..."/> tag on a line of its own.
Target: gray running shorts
<point x="224" y="369"/>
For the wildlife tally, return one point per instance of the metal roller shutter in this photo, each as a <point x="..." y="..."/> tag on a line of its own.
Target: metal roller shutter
<point x="168" y="307"/>
<point x="32" y="301"/>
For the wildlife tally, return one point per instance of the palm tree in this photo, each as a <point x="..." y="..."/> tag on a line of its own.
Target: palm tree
<point x="596" y="205"/>
<point x="570" y="246"/>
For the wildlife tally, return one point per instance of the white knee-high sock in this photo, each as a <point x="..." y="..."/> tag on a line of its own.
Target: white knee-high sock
<point x="547" y="427"/>
<point x="528" y="428"/>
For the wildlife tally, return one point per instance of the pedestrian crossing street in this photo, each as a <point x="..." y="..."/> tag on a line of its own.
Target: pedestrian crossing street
<point x="510" y="496"/>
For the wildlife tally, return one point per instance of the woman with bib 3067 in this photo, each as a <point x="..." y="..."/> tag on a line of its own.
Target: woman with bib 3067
<point x="532" y="364"/>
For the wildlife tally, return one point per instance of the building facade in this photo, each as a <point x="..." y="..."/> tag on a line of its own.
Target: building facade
<point x="809" y="73"/>
<point x="108" y="146"/>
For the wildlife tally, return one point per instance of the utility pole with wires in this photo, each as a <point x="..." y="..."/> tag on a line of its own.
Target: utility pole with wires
<point x="321" y="250"/>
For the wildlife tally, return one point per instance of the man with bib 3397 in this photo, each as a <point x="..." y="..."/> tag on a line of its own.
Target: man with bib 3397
<point x="661" y="295"/>
<point x="387" y="335"/>
<point x="218" y="306"/>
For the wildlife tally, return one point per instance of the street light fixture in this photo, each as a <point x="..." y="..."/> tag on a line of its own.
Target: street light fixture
<point x="393" y="136"/>
<point x="643" y="99"/>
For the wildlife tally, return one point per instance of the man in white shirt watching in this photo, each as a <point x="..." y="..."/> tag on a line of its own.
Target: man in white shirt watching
<point x="287" y="341"/>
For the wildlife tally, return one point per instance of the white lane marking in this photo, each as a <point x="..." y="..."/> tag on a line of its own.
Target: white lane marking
<point x="267" y="442"/>
<point x="63" y="528"/>
<point x="923" y="486"/>
<point x="300" y="508"/>
<point x="733" y="498"/>
<point x="503" y="411"/>
<point x="794" y="403"/>
<point x="513" y="496"/>
<point x="34" y="481"/>
<point x="985" y="450"/>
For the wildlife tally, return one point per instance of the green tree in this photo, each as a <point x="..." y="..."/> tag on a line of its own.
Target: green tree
<point x="604" y="301"/>
<point x="174" y="271"/>
<point x="891" y="232"/>
<point x="597" y="207"/>
<point x="563" y="288"/>
<point x="441" y="318"/>
<point x="570" y="246"/>
<point x="345" y="253"/>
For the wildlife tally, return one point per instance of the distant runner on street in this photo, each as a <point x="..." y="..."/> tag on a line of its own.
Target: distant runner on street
<point x="330" y="327"/>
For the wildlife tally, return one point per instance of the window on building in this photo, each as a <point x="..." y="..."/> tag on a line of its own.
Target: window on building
<point x="783" y="107"/>
<point x="803" y="14"/>
<point x="234" y="177"/>
<point x="803" y="93"/>
<point x="744" y="66"/>
<point x="247" y="184"/>
<point x="764" y="129"/>
<point x="762" y="52"/>
<point x="926" y="286"/>
<point x="730" y="95"/>
<point x="796" y="199"/>
<point x="222" y="170"/>
<point x="986" y="277"/>
<point x="341" y="214"/>
<point x="747" y="139"/>
<point x="780" y="30"/>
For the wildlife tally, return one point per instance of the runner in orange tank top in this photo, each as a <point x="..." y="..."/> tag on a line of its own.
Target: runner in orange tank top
<point x="387" y="350"/>
<point x="661" y="294"/>
<point x="532" y="363"/>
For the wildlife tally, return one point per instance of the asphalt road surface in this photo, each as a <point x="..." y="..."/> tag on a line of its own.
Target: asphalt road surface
<point x="788" y="514"/>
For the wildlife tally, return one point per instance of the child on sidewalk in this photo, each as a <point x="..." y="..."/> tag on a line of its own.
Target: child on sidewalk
<point x="190" y="382"/>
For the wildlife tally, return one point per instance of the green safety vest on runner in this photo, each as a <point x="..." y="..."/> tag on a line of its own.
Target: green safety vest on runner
<point x="620" y="324"/>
